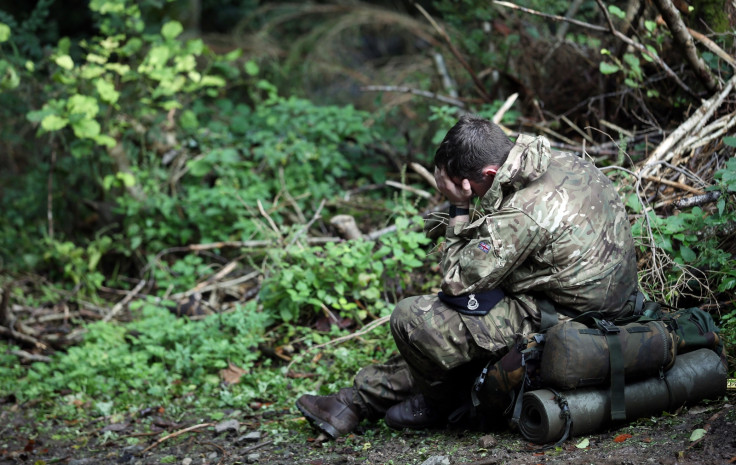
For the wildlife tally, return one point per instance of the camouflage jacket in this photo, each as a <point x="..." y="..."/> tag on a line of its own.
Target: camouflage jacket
<point x="554" y="225"/>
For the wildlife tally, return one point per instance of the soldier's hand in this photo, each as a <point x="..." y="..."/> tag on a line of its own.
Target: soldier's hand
<point x="458" y="193"/>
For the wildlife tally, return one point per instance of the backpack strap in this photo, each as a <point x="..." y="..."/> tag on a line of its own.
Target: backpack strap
<point x="551" y="312"/>
<point x="616" y="362"/>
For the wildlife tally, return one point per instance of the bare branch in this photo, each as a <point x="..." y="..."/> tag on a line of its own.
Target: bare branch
<point x="411" y="90"/>
<point x="642" y="49"/>
<point x="476" y="80"/>
<point x="552" y="17"/>
<point x="686" y="44"/>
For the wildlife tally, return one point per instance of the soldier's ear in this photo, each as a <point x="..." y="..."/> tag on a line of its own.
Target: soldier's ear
<point x="490" y="170"/>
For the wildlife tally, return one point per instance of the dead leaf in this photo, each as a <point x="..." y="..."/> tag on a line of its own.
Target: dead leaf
<point x="115" y="427"/>
<point x="29" y="446"/>
<point x="622" y="437"/>
<point x="232" y="374"/>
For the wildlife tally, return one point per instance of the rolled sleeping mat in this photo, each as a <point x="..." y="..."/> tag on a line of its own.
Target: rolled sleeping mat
<point x="695" y="376"/>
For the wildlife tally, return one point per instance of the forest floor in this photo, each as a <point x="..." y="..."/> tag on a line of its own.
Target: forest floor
<point x="284" y="438"/>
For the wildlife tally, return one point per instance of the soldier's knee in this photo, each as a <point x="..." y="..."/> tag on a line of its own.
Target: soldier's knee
<point x="401" y="316"/>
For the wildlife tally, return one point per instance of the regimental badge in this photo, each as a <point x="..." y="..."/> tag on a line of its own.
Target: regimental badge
<point x="472" y="302"/>
<point x="484" y="246"/>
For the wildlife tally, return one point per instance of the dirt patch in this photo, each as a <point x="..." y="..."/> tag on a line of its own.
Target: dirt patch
<point x="284" y="438"/>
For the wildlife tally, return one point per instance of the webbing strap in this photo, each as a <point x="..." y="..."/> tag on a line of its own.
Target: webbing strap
<point x="616" y="360"/>
<point x="548" y="313"/>
<point x="517" y="406"/>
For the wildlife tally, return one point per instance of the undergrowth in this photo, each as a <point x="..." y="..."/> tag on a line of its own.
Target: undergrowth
<point x="140" y="143"/>
<point x="160" y="359"/>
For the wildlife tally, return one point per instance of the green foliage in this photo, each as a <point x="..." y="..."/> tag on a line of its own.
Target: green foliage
<point x="156" y="358"/>
<point x="727" y="324"/>
<point x="68" y="262"/>
<point x="349" y="277"/>
<point x="682" y="236"/>
<point x="248" y="155"/>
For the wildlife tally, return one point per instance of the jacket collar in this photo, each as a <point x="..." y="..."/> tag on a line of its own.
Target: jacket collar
<point x="528" y="160"/>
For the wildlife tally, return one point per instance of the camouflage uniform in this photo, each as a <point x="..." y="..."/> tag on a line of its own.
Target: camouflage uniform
<point x="554" y="226"/>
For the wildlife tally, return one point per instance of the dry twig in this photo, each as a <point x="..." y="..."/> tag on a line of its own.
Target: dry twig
<point x="118" y="306"/>
<point x="366" y="329"/>
<point x="175" y="434"/>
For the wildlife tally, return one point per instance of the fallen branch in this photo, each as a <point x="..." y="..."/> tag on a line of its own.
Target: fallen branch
<point x="119" y="306"/>
<point x="505" y="107"/>
<point x="447" y="83"/>
<point x="29" y="357"/>
<point x="713" y="47"/>
<point x="411" y="189"/>
<point x="411" y="90"/>
<point x="175" y="434"/>
<point x="22" y="337"/>
<point x="698" y="200"/>
<point x="424" y="173"/>
<point x="257" y="446"/>
<point x="678" y="185"/>
<point x="691" y="125"/>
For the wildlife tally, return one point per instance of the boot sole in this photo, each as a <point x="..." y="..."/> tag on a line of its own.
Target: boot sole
<point x="318" y="423"/>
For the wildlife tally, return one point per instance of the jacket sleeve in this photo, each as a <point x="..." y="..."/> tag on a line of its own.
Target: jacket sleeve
<point x="480" y="255"/>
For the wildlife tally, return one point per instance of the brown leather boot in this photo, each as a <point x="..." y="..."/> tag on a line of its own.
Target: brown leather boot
<point x="414" y="413"/>
<point x="335" y="415"/>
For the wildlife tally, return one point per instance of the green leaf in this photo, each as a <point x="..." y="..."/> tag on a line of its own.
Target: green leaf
<point x="634" y="203"/>
<point x="730" y="141"/>
<point x="83" y="104"/>
<point x="251" y="68"/>
<point x="199" y="167"/>
<point x="127" y="178"/>
<point x="107" y="91"/>
<point x="171" y="29"/>
<point x="616" y="11"/>
<point x="607" y="68"/>
<point x="158" y="56"/>
<point x="64" y="61"/>
<point x="8" y="76"/>
<point x="697" y="434"/>
<point x="4" y="32"/>
<point x="583" y="444"/>
<point x="94" y="58"/>
<point x="86" y="128"/>
<point x="215" y="81"/>
<point x="104" y="139"/>
<point x="53" y="122"/>
<point x="687" y="254"/>
<point x="188" y="120"/>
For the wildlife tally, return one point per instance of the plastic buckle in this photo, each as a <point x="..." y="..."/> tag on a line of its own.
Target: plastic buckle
<point x="481" y="379"/>
<point x="608" y="328"/>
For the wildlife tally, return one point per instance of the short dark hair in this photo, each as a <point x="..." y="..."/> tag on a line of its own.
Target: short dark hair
<point x="472" y="144"/>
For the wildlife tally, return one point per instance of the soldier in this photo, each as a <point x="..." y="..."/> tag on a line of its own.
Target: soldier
<point x="553" y="228"/>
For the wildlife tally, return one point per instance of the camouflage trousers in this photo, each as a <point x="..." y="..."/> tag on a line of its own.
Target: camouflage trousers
<point x="441" y="352"/>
